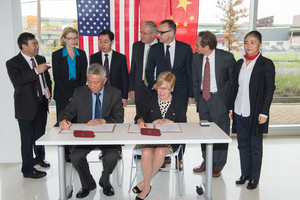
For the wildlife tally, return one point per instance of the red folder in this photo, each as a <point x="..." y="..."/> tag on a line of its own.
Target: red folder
<point x="150" y="131"/>
<point x="79" y="133"/>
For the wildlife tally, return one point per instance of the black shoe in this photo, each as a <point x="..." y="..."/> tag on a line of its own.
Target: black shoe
<point x="85" y="192"/>
<point x="137" y="190"/>
<point x="44" y="163"/>
<point x="108" y="190"/>
<point x="252" y="184"/>
<point x="36" y="174"/>
<point x="138" y="198"/>
<point x="242" y="180"/>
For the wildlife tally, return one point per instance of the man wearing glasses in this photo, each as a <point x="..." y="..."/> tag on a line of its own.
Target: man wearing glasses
<point x="139" y="87"/>
<point x="114" y="62"/>
<point x="175" y="56"/>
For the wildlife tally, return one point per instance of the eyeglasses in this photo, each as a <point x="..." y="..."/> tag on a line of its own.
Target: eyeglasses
<point x="144" y="33"/>
<point x="162" y="32"/>
<point x="71" y="38"/>
<point x="164" y="89"/>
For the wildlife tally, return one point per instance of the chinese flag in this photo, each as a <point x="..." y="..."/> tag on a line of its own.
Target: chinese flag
<point x="183" y="12"/>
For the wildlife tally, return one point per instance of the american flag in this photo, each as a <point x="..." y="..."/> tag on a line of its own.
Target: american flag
<point x="119" y="16"/>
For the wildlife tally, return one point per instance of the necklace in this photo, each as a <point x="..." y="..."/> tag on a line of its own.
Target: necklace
<point x="169" y="99"/>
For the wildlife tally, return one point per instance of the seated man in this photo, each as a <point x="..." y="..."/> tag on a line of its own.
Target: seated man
<point x="94" y="104"/>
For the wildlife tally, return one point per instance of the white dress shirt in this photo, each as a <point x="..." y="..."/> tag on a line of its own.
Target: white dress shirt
<point x="213" y="82"/>
<point x="27" y="58"/>
<point x="172" y="51"/>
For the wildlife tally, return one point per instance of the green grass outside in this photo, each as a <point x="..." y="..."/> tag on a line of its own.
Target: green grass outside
<point x="287" y="82"/>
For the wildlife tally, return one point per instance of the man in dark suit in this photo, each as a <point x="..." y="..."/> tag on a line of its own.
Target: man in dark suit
<point x="139" y="87"/>
<point x="175" y="56"/>
<point x="213" y="81"/>
<point x="114" y="62"/>
<point x="94" y="104"/>
<point x="180" y="62"/>
<point x="31" y="80"/>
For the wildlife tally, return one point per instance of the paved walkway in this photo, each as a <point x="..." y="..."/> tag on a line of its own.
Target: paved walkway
<point x="279" y="114"/>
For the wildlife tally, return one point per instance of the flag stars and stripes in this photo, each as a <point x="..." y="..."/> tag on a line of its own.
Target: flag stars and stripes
<point x="115" y="15"/>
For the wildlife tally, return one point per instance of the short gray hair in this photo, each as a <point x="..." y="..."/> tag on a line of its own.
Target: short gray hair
<point x="153" y="26"/>
<point x="97" y="69"/>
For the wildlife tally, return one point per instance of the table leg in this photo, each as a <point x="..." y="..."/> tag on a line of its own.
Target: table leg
<point x="209" y="163"/>
<point x="62" y="172"/>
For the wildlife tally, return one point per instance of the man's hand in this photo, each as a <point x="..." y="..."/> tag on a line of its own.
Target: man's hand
<point x="48" y="94"/>
<point x="41" y="68"/>
<point x="65" y="125"/>
<point x="155" y="86"/>
<point x="124" y="101"/>
<point x="230" y="115"/>
<point x="190" y="101"/>
<point x="132" y="95"/>
<point x="95" y="122"/>
<point x="262" y="120"/>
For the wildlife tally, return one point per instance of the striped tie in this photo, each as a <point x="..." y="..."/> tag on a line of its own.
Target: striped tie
<point x="106" y="66"/>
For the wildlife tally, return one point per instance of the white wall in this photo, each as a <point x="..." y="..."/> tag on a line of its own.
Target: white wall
<point x="11" y="27"/>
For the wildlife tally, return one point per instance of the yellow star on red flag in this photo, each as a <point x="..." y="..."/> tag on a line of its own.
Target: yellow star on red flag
<point x="185" y="24"/>
<point x="192" y="18"/>
<point x="171" y="17"/>
<point x="183" y="4"/>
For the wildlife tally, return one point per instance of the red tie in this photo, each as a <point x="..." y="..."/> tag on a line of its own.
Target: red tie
<point x="206" y="81"/>
<point x="106" y="66"/>
<point x="38" y="82"/>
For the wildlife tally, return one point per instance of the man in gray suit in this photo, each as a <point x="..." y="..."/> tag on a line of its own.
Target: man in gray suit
<point x="212" y="84"/>
<point x="94" y="104"/>
<point x="139" y="87"/>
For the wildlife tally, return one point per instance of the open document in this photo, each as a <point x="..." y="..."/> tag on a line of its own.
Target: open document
<point x="164" y="128"/>
<point x="103" y="128"/>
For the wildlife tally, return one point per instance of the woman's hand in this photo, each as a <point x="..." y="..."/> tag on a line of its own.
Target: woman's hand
<point x="161" y="121"/>
<point x="142" y="124"/>
<point x="230" y="115"/>
<point x="262" y="120"/>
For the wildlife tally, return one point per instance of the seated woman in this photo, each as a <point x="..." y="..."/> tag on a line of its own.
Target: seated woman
<point x="159" y="108"/>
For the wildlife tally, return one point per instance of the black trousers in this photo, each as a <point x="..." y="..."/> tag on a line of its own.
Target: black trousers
<point x="215" y="111"/>
<point x="250" y="148"/>
<point x="31" y="130"/>
<point x="110" y="155"/>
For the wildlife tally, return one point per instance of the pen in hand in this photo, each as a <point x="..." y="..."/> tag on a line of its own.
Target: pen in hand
<point x="66" y="123"/>
<point x="145" y="125"/>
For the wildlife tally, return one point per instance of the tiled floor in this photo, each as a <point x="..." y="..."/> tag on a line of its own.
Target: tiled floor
<point x="279" y="176"/>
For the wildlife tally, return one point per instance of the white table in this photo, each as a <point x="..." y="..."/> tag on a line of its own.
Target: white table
<point x="192" y="133"/>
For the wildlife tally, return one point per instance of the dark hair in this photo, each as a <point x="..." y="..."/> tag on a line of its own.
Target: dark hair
<point x="23" y="39"/>
<point x="171" y="24"/>
<point x="208" y="39"/>
<point x="110" y="34"/>
<point x="254" y="34"/>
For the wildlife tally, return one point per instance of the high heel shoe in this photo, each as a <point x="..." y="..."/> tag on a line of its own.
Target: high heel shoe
<point x="137" y="190"/>
<point x="138" y="198"/>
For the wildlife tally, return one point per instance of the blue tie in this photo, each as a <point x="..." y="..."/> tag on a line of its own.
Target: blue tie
<point x="98" y="109"/>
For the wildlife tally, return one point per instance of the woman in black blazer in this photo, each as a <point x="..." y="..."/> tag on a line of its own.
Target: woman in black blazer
<point x="254" y="85"/>
<point x="159" y="108"/>
<point x="69" y="70"/>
